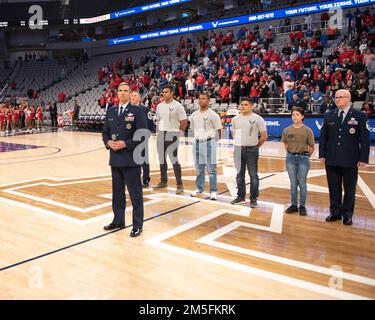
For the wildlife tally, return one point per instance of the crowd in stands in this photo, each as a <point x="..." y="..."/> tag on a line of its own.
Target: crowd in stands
<point x="251" y="63"/>
<point x="232" y="65"/>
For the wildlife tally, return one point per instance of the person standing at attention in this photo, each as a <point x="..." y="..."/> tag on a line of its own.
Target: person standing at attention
<point x="171" y="120"/>
<point x="344" y="147"/>
<point x="206" y="126"/>
<point x="299" y="144"/>
<point x="135" y="100"/>
<point x="119" y="136"/>
<point x="247" y="127"/>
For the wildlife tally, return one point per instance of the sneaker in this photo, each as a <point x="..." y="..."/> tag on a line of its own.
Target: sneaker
<point x="302" y="211"/>
<point x="292" y="209"/>
<point x="253" y="203"/>
<point x="180" y="189"/>
<point x="238" y="200"/>
<point x="161" y="185"/>
<point x="213" y="196"/>
<point x="196" y="193"/>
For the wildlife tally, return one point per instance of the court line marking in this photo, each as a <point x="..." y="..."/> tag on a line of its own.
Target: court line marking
<point x="366" y="190"/>
<point x="157" y="242"/>
<point x="59" y="157"/>
<point x="262" y="273"/>
<point x="55" y="179"/>
<point x="258" y="272"/>
<point x="63" y="205"/>
<point x="154" y="171"/>
<point x="37" y="156"/>
<point x="93" y="238"/>
<point x="242" y="211"/>
<point x="69" y="218"/>
<point x="275" y="226"/>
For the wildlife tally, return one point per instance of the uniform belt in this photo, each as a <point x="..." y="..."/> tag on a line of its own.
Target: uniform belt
<point x="203" y="140"/>
<point x="300" y="153"/>
<point x="249" y="147"/>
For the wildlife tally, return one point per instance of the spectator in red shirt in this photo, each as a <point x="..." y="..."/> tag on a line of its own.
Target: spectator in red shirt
<point x="146" y="79"/>
<point x="314" y="43"/>
<point x="61" y="97"/>
<point x="224" y="93"/>
<point x="100" y="76"/>
<point x="250" y="36"/>
<point x="102" y="101"/>
<point x="268" y="35"/>
<point x="235" y="76"/>
<point x="316" y="72"/>
<point x="199" y="81"/>
<point x="254" y="92"/>
<point x="324" y="18"/>
<point x="366" y="108"/>
<point x="336" y="75"/>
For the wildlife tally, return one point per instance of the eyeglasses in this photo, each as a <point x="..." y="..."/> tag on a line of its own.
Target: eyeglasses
<point x="341" y="97"/>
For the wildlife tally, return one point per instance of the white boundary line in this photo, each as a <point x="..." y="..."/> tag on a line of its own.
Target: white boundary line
<point x="367" y="191"/>
<point x="261" y="273"/>
<point x="157" y="241"/>
<point x="68" y="218"/>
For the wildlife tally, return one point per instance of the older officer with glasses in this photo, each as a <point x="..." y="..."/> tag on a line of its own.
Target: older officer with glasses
<point x="344" y="147"/>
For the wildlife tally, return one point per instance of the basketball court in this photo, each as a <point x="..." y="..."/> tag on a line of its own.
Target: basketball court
<point x="55" y="198"/>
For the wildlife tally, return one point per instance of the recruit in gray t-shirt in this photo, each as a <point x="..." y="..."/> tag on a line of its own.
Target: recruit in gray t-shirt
<point x="169" y="115"/>
<point x="205" y="124"/>
<point x="246" y="129"/>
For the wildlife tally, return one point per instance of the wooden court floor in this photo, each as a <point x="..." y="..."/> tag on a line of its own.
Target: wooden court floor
<point x="55" y="197"/>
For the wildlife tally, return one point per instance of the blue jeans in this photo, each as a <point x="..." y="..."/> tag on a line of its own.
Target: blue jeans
<point x="298" y="167"/>
<point x="247" y="157"/>
<point x="205" y="155"/>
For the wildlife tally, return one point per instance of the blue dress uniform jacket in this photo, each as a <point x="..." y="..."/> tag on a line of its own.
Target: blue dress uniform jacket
<point x="150" y="120"/>
<point x="151" y="128"/>
<point x="124" y="127"/>
<point x="344" y="145"/>
<point x="125" y="170"/>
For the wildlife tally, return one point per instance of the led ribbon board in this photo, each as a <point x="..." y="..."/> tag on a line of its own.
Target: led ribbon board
<point x="263" y="16"/>
<point x="132" y="11"/>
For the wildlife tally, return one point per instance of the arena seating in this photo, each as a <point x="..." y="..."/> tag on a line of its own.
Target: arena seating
<point x="80" y="82"/>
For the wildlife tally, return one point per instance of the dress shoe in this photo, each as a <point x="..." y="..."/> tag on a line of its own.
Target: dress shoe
<point x="113" y="226"/>
<point x="145" y="185"/>
<point x="136" y="232"/>
<point x="332" y="218"/>
<point x="348" y="222"/>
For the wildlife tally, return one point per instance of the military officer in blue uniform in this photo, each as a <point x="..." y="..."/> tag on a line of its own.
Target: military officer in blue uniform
<point x="135" y="100"/>
<point x="344" y="147"/>
<point x="120" y="135"/>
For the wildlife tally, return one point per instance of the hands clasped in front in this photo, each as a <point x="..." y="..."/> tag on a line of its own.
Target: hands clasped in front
<point x="116" y="145"/>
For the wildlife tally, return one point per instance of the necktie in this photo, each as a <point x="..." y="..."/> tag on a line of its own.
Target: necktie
<point x="121" y="109"/>
<point x="341" y="118"/>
